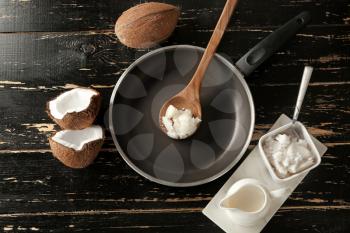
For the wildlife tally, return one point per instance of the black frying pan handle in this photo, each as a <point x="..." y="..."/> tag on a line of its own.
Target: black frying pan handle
<point x="263" y="50"/>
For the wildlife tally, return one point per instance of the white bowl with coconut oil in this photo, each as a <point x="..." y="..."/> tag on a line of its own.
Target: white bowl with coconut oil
<point x="298" y="130"/>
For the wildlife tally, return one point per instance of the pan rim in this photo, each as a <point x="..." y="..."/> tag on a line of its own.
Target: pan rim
<point x="125" y="157"/>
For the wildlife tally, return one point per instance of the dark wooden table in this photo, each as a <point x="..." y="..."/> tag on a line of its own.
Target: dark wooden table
<point x="49" y="46"/>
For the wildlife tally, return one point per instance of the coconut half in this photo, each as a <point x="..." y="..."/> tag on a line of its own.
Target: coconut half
<point x="75" y="109"/>
<point x="77" y="148"/>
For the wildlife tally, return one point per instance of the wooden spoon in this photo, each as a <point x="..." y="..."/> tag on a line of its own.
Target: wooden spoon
<point x="188" y="98"/>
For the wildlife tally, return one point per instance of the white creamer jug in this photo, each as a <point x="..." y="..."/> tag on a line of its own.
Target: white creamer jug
<point x="248" y="201"/>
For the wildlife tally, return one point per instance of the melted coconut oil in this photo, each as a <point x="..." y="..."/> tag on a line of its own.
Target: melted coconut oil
<point x="249" y="199"/>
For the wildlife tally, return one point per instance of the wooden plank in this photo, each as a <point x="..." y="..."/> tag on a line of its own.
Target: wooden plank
<point x="325" y="111"/>
<point x="53" y="60"/>
<point x="303" y="220"/>
<point x="64" y="15"/>
<point x="110" y="185"/>
<point x="114" y="222"/>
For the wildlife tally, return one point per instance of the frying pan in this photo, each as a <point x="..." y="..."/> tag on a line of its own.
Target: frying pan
<point x="227" y="105"/>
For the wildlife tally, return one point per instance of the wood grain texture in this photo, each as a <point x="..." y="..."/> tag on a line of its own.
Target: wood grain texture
<point x="49" y="46"/>
<point x="325" y="111"/>
<point x="48" y="60"/>
<point x="109" y="188"/>
<point x="110" y="184"/>
<point x="66" y="15"/>
<point x="187" y="221"/>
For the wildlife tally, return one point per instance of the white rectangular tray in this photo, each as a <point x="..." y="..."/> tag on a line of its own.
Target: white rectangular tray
<point x="253" y="167"/>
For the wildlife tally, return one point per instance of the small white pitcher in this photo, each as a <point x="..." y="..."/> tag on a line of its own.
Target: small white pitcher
<point x="248" y="201"/>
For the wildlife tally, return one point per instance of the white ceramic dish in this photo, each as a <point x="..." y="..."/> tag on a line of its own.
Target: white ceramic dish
<point x="236" y="198"/>
<point x="253" y="167"/>
<point x="290" y="128"/>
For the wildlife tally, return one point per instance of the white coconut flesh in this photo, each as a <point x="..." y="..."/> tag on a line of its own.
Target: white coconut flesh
<point x="75" y="100"/>
<point x="76" y="139"/>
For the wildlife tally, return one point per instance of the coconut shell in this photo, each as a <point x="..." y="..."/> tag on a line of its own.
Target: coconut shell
<point x="79" y="120"/>
<point x="146" y="25"/>
<point x="76" y="159"/>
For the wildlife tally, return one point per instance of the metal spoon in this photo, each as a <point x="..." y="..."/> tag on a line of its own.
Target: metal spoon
<point x="302" y="90"/>
<point x="189" y="97"/>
